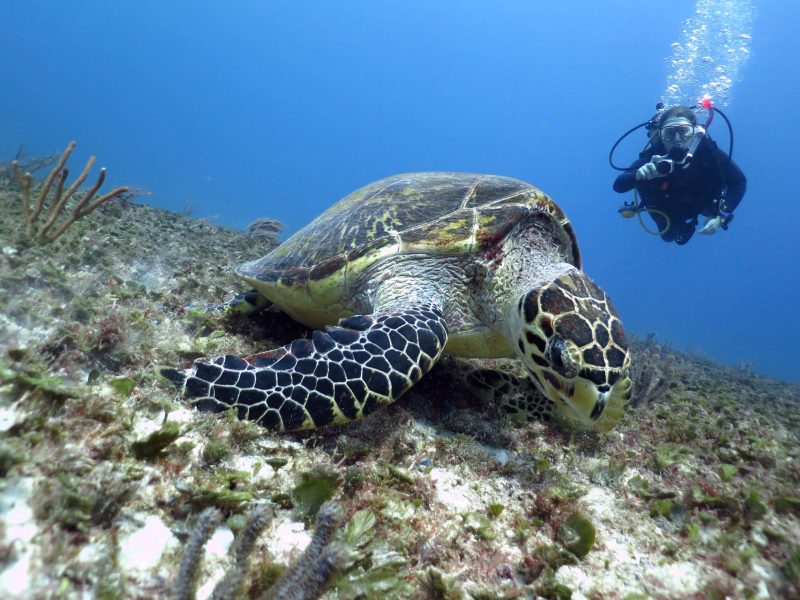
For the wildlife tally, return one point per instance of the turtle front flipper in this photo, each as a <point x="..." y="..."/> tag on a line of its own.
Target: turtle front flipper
<point x="518" y="398"/>
<point x="339" y="375"/>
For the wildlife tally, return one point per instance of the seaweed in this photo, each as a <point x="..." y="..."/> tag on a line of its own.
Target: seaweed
<point x="186" y="580"/>
<point x="308" y="577"/>
<point x="701" y="473"/>
<point x="651" y="370"/>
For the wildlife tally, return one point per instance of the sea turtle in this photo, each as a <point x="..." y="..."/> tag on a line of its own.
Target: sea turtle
<point x="413" y="266"/>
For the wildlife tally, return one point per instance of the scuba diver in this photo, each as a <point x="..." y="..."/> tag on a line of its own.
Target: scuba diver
<point x="680" y="175"/>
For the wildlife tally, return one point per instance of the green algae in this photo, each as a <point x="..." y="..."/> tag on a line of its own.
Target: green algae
<point x="577" y="534"/>
<point x="399" y="474"/>
<point x="670" y="454"/>
<point x="642" y="488"/>
<point x="787" y="504"/>
<point x="123" y="386"/>
<point x="791" y="568"/>
<point x="316" y="487"/>
<point x="495" y="509"/>
<point x="216" y="450"/>
<point x="354" y="479"/>
<point x="639" y="485"/>
<point x="226" y="499"/>
<point x="375" y="570"/>
<point x="662" y="508"/>
<point x="11" y="453"/>
<point x="693" y="531"/>
<point x="360" y="529"/>
<point x="309" y="495"/>
<point x="31" y="378"/>
<point x="479" y="524"/>
<point x="726" y="472"/>
<point x="154" y="444"/>
<point x="78" y="499"/>
<point x="76" y="420"/>
<point x="276" y="462"/>
<point x="754" y="506"/>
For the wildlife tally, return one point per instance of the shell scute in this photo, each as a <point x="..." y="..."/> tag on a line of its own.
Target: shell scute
<point x="490" y="190"/>
<point x="496" y="222"/>
<point x="416" y="213"/>
<point x="373" y="249"/>
<point x="453" y="235"/>
<point x="327" y="267"/>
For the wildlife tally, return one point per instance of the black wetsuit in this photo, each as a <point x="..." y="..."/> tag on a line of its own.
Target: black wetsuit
<point x="711" y="185"/>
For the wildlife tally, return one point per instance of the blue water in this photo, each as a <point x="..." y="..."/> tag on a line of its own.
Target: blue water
<point x="276" y="109"/>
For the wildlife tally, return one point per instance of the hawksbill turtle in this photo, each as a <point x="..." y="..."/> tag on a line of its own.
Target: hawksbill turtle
<point x="408" y="268"/>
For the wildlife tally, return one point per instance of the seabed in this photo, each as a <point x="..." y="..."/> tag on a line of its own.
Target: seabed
<point x="106" y="470"/>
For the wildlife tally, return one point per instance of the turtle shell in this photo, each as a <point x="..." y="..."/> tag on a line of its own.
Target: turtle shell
<point x="415" y="213"/>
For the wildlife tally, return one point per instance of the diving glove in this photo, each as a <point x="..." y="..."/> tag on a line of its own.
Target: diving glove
<point x="648" y="170"/>
<point x="711" y="225"/>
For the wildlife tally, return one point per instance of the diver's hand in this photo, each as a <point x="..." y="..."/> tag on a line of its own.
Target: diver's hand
<point x="711" y="225"/>
<point x="648" y="170"/>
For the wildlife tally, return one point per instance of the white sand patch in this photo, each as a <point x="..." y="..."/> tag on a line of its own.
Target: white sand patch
<point x="255" y="465"/>
<point x="14" y="335"/>
<point x="679" y="577"/>
<point x="452" y="492"/>
<point x="90" y="553"/>
<point x="216" y="558"/>
<point x="628" y="543"/>
<point x="182" y="414"/>
<point x="142" y="548"/>
<point x="220" y="543"/>
<point x="145" y="425"/>
<point x="19" y="526"/>
<point x="287" y="540"/>
<point x="10" y="416"/>
<point x="499" y="454"/>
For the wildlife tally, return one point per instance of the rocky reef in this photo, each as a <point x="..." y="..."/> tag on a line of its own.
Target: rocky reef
<point x="112" y="487"/>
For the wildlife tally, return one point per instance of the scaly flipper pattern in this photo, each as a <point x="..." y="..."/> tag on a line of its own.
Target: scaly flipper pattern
<point x="339" y="375"/>
<point x="519" y="399"/>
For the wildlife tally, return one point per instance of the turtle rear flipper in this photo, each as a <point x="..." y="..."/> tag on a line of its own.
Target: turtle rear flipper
<point x="518" y="398"/>
<point x="339" y="375"/>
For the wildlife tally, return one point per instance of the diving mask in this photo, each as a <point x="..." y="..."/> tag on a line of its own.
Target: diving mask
<point x="677" y="132"/>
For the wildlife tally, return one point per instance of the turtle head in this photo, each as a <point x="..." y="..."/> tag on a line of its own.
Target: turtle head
<point x="574" y="347"/>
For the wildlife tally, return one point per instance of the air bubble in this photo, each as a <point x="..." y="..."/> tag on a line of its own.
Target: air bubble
<point x="715" y="40"/>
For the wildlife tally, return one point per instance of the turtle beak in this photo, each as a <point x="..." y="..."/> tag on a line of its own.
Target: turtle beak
<point x="600" y="410"/>
<point x="587" y="402"/>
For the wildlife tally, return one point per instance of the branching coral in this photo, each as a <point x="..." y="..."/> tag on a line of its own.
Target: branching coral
<point x="306" y="579"/>
<point x="186" y="583"/>
<point x="241" y="551"/>
<point x="30" y="165"/>
<point x="44" y="229"/>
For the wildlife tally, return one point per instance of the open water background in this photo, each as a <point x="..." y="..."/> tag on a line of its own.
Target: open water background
<point x="276" y="109"/>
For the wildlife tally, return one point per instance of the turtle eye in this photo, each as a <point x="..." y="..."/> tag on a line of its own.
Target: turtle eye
<point x="561" y="358"/>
